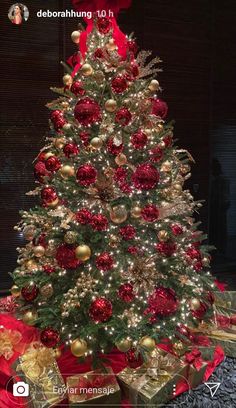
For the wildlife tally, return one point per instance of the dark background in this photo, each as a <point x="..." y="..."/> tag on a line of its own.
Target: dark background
<point x="196" y="41"/>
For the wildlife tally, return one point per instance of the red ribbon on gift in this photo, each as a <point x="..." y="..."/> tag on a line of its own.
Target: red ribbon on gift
<point x="194" y="357"/>
<point x="222" y="321"/>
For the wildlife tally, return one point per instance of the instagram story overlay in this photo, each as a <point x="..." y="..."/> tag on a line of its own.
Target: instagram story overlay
<point x="18" y="13"/>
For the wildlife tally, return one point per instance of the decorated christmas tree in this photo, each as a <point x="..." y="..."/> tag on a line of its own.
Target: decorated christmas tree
<point x="113" y="256"/>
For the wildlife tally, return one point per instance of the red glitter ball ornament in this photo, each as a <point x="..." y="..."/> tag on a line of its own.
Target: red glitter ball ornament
<point x="120" y="174"/>
<point x="49" y="269"/>
<point x="49" y="337"/>
<point x="53" y="164"/>
<point x="193" y="253"/>
<point x="133" y="358"/>
<point x="126" y="292"/>
<point x="40" y="171"/>
<point x="99" y="222"/>
<point x="87" y="111"/>
<point x="162" y="302"/>
<point x="128" y="232"/>
<point x="66" y="258"/>
<point x="76" y="88"/>
<point x="145" y="177"/>
<point x="159" y="108"/>
<point x="70" y="149"/>
<point x="166" y="248"/>
<point x="104" y="262"/>
<point x="56" y="114"/>
<point x="150" y="213"/>
<point x="30" y="292"/>
<point x="119" y="84"/>
<point x="198" y="266"/>
<point x="139" y="140"/>
<point x="156" y="154"/>
<point x="48" y="195"/>
<point x="86" y="175"/>
<point x="176" y="229"/>
<point x="83" y="216"/>
<point x="113" y="148"/>
<point x="100" y="310"/>
<point x="104" y="25"/>
<point x="123" y="116"/>
<point x="57" y="119"/>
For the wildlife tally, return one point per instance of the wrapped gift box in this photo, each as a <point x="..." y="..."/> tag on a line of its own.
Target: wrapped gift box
<point x="153" y="384"/>
<point x="93" y="389"/>
<point x="38" y="369"/>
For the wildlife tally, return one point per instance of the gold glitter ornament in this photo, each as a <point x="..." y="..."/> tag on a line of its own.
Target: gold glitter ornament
<point x="70" y="237"/>
<point x="163" y="235"/>
<point x="31" y="265"/>
<point x="147" y="343"/>
<point x="46" y="291"/>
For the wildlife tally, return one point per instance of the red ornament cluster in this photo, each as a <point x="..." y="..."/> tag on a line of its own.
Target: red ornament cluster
<point x="100" y="310"/>
<point x="58" y="120"/>
<point x="48" y="195"/>
<point x="162" y="302"/>
<point x="66" y="258"/>
<point x="139" y="140"/>
<point x="119" y="84"/>
<point x="70" y="149"/>
<point x="99" y="222"/>
<point x="87" y="111"/>
<point x="104" y="262"/>
<point x="166" y="248"/>
<point x="128" y="232"/>
<point x="123" y="116"/>
<point x="159" y="108"/>
<point x="30" y="292"/>
<point x="113" y="148"/>
<point x="49" y="337"/>
<point x="145" y="177"/>
<point x="126" y="292"/>
<point x="86" y="175"/>
<point x="83" y="216"/>
<point x="150" y="213"/>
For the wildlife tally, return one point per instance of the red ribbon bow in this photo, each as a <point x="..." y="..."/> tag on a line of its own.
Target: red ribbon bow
<point x="194" y="358"/>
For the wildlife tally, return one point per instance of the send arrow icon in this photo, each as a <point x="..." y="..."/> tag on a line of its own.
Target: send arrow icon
<point x="213" y="387"/>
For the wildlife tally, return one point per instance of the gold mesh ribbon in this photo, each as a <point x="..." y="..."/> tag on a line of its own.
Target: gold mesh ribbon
<point x="9" y="342"/>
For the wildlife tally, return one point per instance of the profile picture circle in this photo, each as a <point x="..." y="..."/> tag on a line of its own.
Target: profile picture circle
<point x="18" y="13"/>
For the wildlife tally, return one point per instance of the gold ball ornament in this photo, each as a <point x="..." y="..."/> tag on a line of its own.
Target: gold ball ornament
<point x="67" y="79"/>
<point x="83" y="252"/>
<point x="78" y="347"/>
<point x="163" y="235"/>
<point x="166" y="166"/>
<point x="195" y="304"/>
<point x="87" y="70"/>
<point x="59" y="143"/>
<point x="111" y="46"/>
<point x="30" y="317"/>
<point x="15" y="291"/>
<point x="136" y="212"/>
<point x="121" y="159"/>
<point x="118" y="214"/>
<point x="96" y="142"/>
<point x="46" y="291"/>
<point x="31" y="265"/>
<point x="148" y="343"/>
<point x="38" y="251"/>
<point x="67" y="171"/>
<point x="70" y="237"/>
<point x="110" y="105"/>
<point x="75" y="36"/>
<point x="124" y="345"/>
<point x="154" y="85"/>
<point x="54" y="203"/>
<point x="29" y="232"/>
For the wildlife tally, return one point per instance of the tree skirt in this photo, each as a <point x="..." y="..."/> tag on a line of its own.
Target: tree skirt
<point x="225" y="397"/>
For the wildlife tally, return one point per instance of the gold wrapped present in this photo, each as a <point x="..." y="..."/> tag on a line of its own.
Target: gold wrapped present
<point x="93" y="389"/>
<point x="196" y="365"/>
<point x="39" y="373"/>
<point x="153" y="383"/>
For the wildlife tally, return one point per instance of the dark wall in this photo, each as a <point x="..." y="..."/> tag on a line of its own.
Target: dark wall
<point x="185" y="34"/>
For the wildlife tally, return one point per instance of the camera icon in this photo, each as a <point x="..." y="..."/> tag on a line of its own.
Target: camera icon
<point x="21" y="389"/>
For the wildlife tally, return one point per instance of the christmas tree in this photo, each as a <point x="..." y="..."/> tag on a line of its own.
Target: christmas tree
<point x="113" y="254"/>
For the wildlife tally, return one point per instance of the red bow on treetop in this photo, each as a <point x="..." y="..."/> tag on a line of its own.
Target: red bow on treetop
<point x="95" y="5"/>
